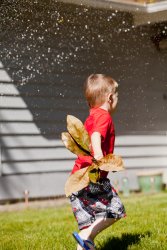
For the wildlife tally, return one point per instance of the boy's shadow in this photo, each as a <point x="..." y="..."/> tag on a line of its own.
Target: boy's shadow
<point x="122" y="243"/>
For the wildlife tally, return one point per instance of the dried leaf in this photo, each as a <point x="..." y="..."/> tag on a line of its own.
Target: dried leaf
<point x="71" y="144"/>
<point x="77" y="130"/>
<point x="81" y="178"/>
<point x="111" y="162"/>
<point x="77" y="181"/>
<point x="94" y="173"/>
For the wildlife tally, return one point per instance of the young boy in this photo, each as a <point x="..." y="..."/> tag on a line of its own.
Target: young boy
<point x="97" y="206"/>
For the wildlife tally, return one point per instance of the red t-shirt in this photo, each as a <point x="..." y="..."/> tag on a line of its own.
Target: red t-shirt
<point x="100" y="121"/>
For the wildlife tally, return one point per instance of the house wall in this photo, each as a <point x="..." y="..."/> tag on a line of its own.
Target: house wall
<point x="47" y="51"/>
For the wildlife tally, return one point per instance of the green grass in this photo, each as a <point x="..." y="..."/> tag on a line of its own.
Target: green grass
<point x="144" y="228"/>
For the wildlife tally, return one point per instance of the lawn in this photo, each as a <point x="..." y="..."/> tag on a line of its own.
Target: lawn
<point x="144" y="228"/>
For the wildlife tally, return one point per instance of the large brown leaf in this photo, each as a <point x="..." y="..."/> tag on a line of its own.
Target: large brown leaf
<point x="77" y="130"/>
<point x="71" y="145"/>
<point x="77" y="181"/>
<point x="81" y="178"/>
<point x="111" y="162"/>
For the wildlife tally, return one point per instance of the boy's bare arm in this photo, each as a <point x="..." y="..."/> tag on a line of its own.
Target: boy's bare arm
<point x="96" y="145"/>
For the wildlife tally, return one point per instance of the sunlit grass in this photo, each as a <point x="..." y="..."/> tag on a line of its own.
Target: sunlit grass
<point x="144" y="228"/>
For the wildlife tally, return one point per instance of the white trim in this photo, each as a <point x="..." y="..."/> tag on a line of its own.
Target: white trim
<point x="122" y="5"/>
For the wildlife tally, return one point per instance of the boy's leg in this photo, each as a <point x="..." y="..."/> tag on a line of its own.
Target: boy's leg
<point x="98" y="226"/>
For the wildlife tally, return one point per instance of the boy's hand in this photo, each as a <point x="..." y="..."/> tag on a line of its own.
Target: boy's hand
<point x="98" y="157"/>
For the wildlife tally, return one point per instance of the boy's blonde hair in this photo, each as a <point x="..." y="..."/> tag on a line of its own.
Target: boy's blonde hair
<point x="96" y="87"/>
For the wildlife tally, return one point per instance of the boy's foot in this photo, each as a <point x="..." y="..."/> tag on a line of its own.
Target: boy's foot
<point x="85" y="244"/>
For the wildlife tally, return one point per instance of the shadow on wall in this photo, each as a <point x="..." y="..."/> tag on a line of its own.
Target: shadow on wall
<point x="48" y="48"/>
